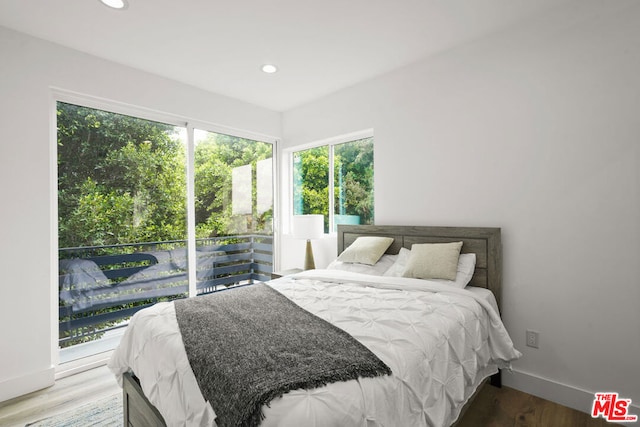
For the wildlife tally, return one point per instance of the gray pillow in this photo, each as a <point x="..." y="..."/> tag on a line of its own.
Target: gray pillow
<point x="366" y="250"/>
<point x="433" y="261"/>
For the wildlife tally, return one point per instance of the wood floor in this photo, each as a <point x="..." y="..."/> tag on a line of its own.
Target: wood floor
<point x="497" y="407"/>
<point x="66" y="394"/>
<point x="493" y="407"/>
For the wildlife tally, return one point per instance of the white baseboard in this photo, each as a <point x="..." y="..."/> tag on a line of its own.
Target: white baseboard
<point x="19" y="386"/>
<point x="573" y="397"/>
<point x="75" y="367"/>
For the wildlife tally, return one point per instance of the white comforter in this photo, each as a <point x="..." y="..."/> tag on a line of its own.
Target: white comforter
<point x="440" y="342"/>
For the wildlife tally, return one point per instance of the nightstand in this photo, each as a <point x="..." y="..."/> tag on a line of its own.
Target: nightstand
<point x="282" y="273"/>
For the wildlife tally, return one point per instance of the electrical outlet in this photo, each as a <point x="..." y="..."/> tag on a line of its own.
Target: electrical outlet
<point x="532" y="338"/>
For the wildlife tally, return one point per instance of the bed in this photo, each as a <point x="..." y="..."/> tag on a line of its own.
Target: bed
<point x="415" y="393"/>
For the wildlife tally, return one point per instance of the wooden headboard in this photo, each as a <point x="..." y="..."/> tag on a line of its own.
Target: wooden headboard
<point x="484" y="242"/>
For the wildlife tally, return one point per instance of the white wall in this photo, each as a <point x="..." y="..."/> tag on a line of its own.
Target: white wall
<point x="28" y="69"/>
<point x="535" y="130"/>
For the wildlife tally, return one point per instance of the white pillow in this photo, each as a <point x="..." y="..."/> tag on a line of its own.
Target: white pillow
<point x="465" y="269"/>
<point x="378" y="269"/>
<point x="366" y="250"/>
<point x="398" y="267"/>
<point x="433" y="261"/>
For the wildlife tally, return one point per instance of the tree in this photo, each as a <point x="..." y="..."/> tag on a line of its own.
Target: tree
<point x="353" y="180"/>
<point x="121" y="179"/>
<point x="215" y="157"/>
<point x="353" y="177"/>
<point x="311" y="182"/>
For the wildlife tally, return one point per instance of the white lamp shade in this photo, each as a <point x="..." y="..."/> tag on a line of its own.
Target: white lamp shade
<point x="308" y="226"/>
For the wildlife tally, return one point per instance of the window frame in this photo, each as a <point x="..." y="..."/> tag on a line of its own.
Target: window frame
<point x="65" y="96"/>
<point x="287" y="167"/>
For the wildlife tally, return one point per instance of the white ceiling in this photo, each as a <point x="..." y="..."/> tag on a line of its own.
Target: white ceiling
<point x="320" y="46"/>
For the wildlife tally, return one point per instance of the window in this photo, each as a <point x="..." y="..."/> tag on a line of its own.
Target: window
<point x="122" y="221"/>
<point x="233" y="197"/>
<point x="347" y="168"/>
<point x="125" y="214"/>
<point x="311" y="182"/>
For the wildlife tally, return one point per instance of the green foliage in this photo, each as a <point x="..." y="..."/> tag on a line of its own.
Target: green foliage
<point x="353" y="180"/>
<point x="311" y="178"/>
<point x="101" y="217"/>
<point x="215" y="158"/>
<point x="121" y="179"/>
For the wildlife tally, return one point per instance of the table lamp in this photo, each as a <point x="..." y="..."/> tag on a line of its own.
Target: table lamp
<point x="308" y="227"/>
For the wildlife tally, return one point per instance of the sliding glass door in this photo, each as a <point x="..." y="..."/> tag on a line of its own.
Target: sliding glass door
<point x="233" y="210"/>
<point x="123" y="221"/>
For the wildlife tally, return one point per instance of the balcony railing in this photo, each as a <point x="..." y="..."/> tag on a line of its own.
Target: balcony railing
<point x="100" y="287"/>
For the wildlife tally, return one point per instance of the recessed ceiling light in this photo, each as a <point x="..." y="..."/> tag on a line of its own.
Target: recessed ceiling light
<point x="115" y="4"/>
<point x="269" y="68"/>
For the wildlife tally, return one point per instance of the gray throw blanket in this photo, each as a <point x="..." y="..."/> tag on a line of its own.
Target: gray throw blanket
<point x="249" y="345"/>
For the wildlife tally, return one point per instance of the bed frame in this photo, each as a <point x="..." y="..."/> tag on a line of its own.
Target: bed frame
<point x="484" y="242"/>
